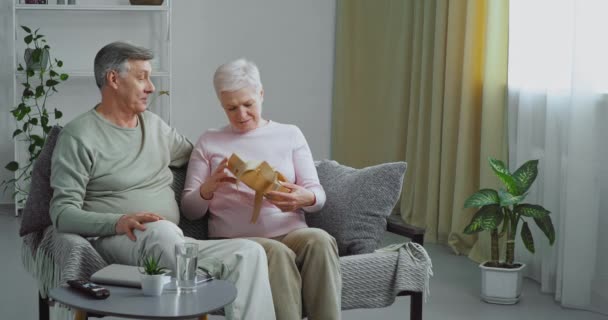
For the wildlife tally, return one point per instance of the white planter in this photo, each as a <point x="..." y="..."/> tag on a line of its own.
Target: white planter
<point x="152" y="285"/>
<point x="36" y="66"/>
<point x="501" y="286"/>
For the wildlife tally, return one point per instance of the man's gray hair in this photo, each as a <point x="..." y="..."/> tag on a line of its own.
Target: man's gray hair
<point x="236" y="75"/>
<point x="115" y="56"/>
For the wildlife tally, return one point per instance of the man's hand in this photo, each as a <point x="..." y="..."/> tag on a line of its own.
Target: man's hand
<point x="299" y="197"/>
<point x="127" y="223"/>
<point x="219" y="176"/>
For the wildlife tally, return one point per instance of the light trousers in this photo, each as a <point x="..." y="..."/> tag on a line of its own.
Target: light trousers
<point x="304" y="269"/>
<point x="239" y="261"/>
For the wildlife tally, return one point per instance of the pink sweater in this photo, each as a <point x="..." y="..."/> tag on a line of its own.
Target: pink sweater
<point x="283" y="147"/>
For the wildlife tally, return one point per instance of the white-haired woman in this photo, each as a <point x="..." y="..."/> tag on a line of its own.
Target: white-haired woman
<point x="303" y="262"/>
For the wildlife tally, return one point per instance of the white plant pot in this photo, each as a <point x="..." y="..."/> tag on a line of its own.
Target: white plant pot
<point x="152" y="285"/>
<point x="36" y="66"/>
<point x="501" y="286"/>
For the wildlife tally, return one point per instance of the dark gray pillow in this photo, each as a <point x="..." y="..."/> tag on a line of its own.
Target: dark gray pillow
<point x="36" y="215"/>
<point x="196" y="229"/>
<point x="358" y="203"/>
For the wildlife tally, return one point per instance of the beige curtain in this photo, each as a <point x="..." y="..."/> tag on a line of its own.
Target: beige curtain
<point x="424" y="81"/>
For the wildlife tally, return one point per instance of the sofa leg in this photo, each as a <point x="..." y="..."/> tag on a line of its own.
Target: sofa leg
<point x="43" y="308"/>
<point x="416" y="306"/>
<point x="80" y="315"/>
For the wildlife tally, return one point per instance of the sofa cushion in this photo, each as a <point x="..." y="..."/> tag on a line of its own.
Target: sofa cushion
<point x="192" y="228"/>
<point x="36" y="215"/>
<point x="358" y="203"/>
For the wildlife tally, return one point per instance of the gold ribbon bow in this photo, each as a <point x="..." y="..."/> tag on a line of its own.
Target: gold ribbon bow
<point x="259" y="176"/>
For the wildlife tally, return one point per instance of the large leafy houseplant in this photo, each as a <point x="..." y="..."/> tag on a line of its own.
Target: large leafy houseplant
<point x="501" y="211"/>
<point x="33" y="115"/>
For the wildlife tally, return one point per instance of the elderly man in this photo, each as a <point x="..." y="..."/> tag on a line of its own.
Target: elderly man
<point x="111" y="180"/>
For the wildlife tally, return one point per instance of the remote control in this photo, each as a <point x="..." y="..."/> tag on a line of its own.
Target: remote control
<point x="90" y="289"/>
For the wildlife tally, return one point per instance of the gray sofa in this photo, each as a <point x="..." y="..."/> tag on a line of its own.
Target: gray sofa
<point x="370" y="280"/>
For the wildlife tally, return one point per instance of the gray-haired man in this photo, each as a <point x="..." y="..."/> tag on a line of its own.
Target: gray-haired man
<point x="111" y="180"/>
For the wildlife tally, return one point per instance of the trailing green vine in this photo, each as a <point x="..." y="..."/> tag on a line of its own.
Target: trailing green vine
<point x="32" y="115"/>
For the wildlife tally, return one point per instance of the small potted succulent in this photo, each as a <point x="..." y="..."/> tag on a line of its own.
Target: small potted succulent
<point x="153" y="274"/>
<point x="500" y="212"/>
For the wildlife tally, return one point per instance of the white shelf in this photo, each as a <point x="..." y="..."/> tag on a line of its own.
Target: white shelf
<point x="73" y="7"/>
<point x="62" y="22"/>
<point x="86" y="74"/>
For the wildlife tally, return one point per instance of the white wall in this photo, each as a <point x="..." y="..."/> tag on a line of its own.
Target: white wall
<point x="291" y="41"/>
<point x="6" y="93"/>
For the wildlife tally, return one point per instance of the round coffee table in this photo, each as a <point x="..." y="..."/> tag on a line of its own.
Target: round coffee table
<point x="131" y="303"/>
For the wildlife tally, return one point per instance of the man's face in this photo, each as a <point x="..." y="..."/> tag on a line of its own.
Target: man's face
<point x="134" y="87"/>
<point x="243" y="108"/>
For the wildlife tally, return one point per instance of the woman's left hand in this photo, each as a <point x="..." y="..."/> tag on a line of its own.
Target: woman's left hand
<point x="299" y="197"/>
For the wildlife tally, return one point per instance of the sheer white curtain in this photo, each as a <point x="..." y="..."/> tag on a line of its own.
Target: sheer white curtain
<point x="558" y="113"/>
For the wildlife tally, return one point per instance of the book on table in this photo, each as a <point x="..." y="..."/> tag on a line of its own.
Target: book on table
<point x="130" y="276"/>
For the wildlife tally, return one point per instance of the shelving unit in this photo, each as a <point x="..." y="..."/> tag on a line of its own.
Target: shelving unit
<point x="76" y="32"/>
<point x="90" y="74"/>
<point x="75" y="7"/>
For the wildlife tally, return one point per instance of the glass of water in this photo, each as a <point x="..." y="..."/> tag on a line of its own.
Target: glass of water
<point x="186" y="262"/>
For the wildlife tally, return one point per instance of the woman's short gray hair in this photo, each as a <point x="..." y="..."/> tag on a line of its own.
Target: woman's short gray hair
<point x="115" y="56"/>
<point x="236" y="75"/>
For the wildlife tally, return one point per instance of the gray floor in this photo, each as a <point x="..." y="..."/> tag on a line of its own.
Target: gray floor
<point x="454" y="289"/>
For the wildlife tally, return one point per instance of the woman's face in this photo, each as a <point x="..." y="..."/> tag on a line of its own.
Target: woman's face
<point x="243" y="108"/>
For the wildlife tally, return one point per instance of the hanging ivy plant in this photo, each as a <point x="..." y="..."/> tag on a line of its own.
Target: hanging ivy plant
<point x="32" y="115"/>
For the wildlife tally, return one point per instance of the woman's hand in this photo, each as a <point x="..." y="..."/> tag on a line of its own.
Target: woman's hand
<point x="299" y="197"/>
<point x="219" y="176"/>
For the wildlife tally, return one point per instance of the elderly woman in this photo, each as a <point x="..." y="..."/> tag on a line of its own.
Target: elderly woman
<point x="303" y="262"/>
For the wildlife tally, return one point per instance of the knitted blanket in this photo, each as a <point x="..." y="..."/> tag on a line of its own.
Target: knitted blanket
<point x="53" y="258"/>
<point x="369" y="280"/>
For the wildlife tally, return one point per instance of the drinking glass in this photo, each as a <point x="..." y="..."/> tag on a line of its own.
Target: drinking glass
<point x="186" y="262"/>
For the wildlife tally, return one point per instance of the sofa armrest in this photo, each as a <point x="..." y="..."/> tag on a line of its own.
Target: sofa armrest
<point x="396" y="225"/>
<point x="59" y="257"/>
<point x="78" y="258"/>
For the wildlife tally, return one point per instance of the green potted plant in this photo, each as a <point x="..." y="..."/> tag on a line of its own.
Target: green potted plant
<point x="500" y="212"/>
<point x="152" y="274"/>
<point x="33" y="116"/>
